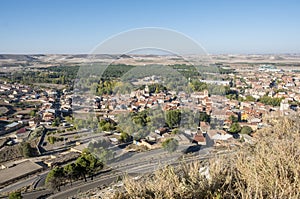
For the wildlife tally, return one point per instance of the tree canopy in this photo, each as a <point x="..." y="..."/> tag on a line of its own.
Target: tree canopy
<point x="235" y="128"/>
<point x="246" y="130"/>
<point x="270" y="101"/>
<point x="170" y="145"/>
<point x="15" y="195"/>
<point x="173" y="118"/>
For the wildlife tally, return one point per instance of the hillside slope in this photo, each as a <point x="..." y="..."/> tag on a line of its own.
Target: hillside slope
<point x="268" y="169"/>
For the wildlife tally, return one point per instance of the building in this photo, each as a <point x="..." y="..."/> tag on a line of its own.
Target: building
<point x="13" y="172"/>
<point x="199" y="139"/>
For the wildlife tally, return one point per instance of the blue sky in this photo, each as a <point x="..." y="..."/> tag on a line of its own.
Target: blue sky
<point x="220" y="26"/>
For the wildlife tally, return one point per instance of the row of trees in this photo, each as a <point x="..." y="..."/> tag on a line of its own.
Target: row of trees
<point x="85" y="166"/>
<point x="55" y="75"/>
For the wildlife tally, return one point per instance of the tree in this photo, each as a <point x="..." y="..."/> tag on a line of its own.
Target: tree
<point x="82" y="166"/>
<point x="106" y="125"/>
<point x="15" y="195"/>
<point x="197" y="85"/>
<point x="235" y="128"/>
<point x="70" y="171"/>
<point x="32" y="113"/>
<point x="94" y="164"/>
<point x="250" y="98"/>
<point x="175" y="131"/>
<point x="170" y="145"/>
<point x="246" y="130"/>
<point x="56" y="122"/>
<point x="157" y="118"/>
<point x="55" y="178"/>
<point x="26" y="150"/>
<point x="204" y="117"/>
<point x="233" y="119"/>
<point x="270" y="101"/>
<point x="51" y="139"/>
<point x="124" y="137"/>
<point x="173" y="118"/>
<point x="103" y="154"/>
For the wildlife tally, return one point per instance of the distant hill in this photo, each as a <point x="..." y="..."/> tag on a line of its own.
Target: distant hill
<point x="27" y="58"/>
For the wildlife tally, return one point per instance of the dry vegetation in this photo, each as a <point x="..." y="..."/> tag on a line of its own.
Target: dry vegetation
<point x="268" y="169"/>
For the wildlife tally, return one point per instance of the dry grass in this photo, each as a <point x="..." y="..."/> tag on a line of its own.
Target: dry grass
<point x="268" y="169"/>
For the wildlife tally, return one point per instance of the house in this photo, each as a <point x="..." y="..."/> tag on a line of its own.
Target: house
<point x="148" y="144"/>
<point x="18" y="170"/>
<point x="48" y="116"/>
<point x="199" y="139"/>
<point x="219" y="136"/>
<point x="21" y="134"/>
<point x="161" y="130"/>
<point x="204" y="126"/>
<point x="153" y="137"/>
<point x="32" y="123"/>
<point x="113" y="140"/>
<point x="182" y="139"/>
<point x="12" y="127"/>
<point x="79" y="147"/>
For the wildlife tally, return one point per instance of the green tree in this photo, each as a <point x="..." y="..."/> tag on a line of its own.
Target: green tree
<point x="32" y="113"/>
<point x="51" y="139"/>
<point x="26" y="150"/>
<point x="173" y="118"/>
<point x="124" y="137"/>
<point x="175" y="131"/>
<point x="170" y="145"/>
<point x="233" y="118"/>
<point x="157" y="118"/>
<point x="15" y="195"/>
<point x="246" y="130"/>
<point x="204" y="117"/>
<point x="82" y="166"/>
<point x="235" y="128"/>
<point x="105" y="87"/>
<point x="270" y="101"/>
<point x="250" y="98"/>
<point x="55" y="178"/>
<point x="103" y="154"/>
<point x="106" y="125"/>
<point x="56" y="122"/>
<point x="70" y="171"/>
<point x="197" y="85"/>
<point x="94" y="164"/>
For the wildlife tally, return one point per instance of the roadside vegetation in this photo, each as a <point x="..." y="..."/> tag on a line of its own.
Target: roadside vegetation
<point x="15" y="195"/>
<point x="85" y="166"/>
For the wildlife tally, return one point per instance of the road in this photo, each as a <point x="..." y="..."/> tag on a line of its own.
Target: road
<point x="131" y="163"/>
<point x="23" y="183"/>
<point x="131" y="169"/>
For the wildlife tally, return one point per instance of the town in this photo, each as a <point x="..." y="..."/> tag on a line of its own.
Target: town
<point x="51" y="123"/>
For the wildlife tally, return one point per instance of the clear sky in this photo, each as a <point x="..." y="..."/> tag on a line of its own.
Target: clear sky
<point x="220" y="26"/>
